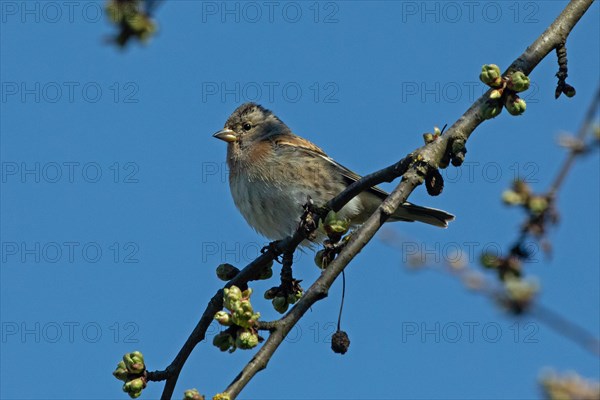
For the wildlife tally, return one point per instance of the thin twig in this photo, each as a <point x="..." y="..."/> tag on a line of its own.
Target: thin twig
<point x="589" y="117"/>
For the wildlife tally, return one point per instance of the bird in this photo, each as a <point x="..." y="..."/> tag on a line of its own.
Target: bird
<point x="273" y="173"/>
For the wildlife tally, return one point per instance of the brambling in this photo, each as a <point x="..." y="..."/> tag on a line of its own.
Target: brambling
<point x="273" y="172"/>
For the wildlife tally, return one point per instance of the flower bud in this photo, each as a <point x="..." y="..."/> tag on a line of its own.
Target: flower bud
<point x="520" y="293"/>
<point x="334" y="225"/>
<point x="512" y="198"/>
<point x="537" y="204"/>
<point x="491" y="109"/>
<point x="134" y="362"/>
<point x="271" y="293"/>
<point x="320" y="260"/>
<point x="518" y="81"/>
<point x="223" y="341"/>
<point x="515" y="105"/>
<point x="221" y="396"/>
<point x="226" y="272"/>
<point x="192" y="394"/>
<point x="489" y="260"/>
<point x="246" y="339"/>
<point x="121" y="371"/>
<point x="224" y="318"/>
<point x="280" y="304"/>
<point x="428" y="137"/>
<point x="232" y="297"/>
<point x="490" y="75"/>
<point x="134" y="387"/>
<point x="496" y="94"/>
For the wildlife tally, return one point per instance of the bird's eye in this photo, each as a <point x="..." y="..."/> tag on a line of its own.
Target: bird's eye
<point x="247" y="126"/>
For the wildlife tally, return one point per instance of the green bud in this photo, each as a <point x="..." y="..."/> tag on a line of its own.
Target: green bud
<point x="141" y="24"/>
<point x="134" y="362"/>
<point x="520" y="292"/>
<point x="221" y="396"/>
<point x="490" y="75"/>
<point x="224" y="318"/>
<point x="252" y="319"/>
<point x="489" y="260"/>
<point x="280" y="304"/>
<point x="293" y="298"/>
<point x="537" y="204"/>
<point x="512" y="198"/>
<point x="496" y="94"/>
<point x="192" y="394"/>
<point x="121" y="371"/>
<point x="226" y="272"/>
<point x="134" y="387"/>
<point x="515" y="105"/>
<point x="246" y="339"/>
<point x="335" y="225"/>
<point x="428" y="137"/>
<point x="271" y="293"/>
<point x="233" y="292"/>
<point x="232" y="297"/>
<point x="436" y="131"/>
<point x="518" y="82"/>
<point x="320" y="259"/>
<point x="491" y="109"/>
<point x="247" y="293"/>
<point x="223" y="341"/>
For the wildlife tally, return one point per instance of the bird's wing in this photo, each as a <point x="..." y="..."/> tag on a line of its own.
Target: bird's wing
<point x="296" y="142"/>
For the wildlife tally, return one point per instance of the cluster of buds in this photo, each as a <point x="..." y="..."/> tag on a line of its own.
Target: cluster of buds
<point x="132" y="20"/>
<point x="518" y="294"/>
<point x="132" y="371"/>
<point x="521" y="195"/>
<point x="221" y="396"/>
<point x="192" y="394"/>
<point x="335" y="227"/>
<point x="507" y="267"/>
<point x="569" y="386"/>
<point x="282" y="299"/>
<point x="504" y="93"/>
<point x="240" y="320"/>
<point x="540" y="208"/>
<point x="330" y="250"/>
<point x="432" y="137"/>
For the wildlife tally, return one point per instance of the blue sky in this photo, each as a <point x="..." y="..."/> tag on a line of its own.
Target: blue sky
<point x="115" y="208"/>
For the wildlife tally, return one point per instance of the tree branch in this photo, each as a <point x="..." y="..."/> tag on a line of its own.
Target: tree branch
<point x="412" y="172"/>
<point x="431" y="153"/>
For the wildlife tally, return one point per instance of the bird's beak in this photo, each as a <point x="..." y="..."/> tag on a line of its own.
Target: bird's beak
<point x="226" y="135"/>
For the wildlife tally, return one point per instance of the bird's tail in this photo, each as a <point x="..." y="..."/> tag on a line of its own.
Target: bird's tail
<point x="432" y="216"/>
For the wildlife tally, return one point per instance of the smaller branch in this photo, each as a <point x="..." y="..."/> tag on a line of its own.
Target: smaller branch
<point x="478" y="283"/>
<point x="583" y="130"/>
<point x="566" y="328"/>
